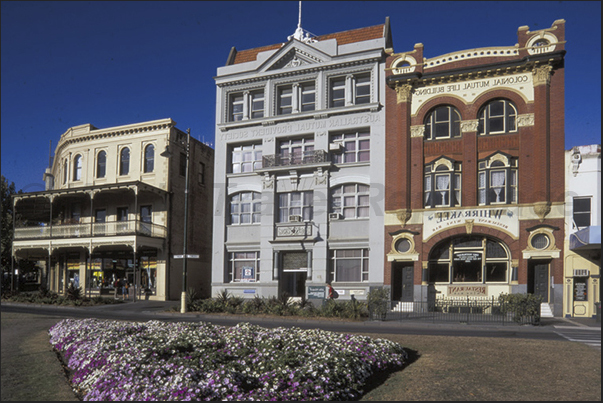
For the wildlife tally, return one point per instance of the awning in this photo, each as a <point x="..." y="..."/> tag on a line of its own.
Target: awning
<point x="588" y="238"/>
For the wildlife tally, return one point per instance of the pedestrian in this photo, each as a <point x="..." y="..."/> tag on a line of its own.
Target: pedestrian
<point x="124" y="288"/>
<point x="117" y="287"/>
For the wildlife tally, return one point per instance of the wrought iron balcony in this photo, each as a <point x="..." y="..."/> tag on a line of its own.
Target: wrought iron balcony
<point x="86" y="230"/>
<point x="295" y="159"/>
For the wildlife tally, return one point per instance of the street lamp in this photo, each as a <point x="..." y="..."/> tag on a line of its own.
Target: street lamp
<point x="167" y="153"/>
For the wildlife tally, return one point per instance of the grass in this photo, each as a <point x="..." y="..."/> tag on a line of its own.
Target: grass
<point x="445" y="368"/>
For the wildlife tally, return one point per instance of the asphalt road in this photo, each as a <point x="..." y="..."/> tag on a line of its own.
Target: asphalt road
<point x="143" y="311"/>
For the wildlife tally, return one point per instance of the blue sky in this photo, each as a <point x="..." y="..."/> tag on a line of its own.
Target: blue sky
<point x="115" y="63"/>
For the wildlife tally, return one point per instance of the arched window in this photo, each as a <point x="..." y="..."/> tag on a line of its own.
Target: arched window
<point x="469" y="259"/>
<point x="442" y="183"/>
<point x="444" y="122"/>
<point x="497" y="117"/>
<point x="149" y="158"/>
<point x="497" y="180"/>
<point x="101" y="164"/>
<point x="124" y="161"/>
<point x="245" y="208"/>
<point x="350" y="200"/>
<point x="77" y="168"/>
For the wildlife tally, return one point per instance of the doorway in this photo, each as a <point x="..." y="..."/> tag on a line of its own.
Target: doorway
<point x="538" y="279"/>
<point x="402" y="281"/>
<point x="294" y="273"/>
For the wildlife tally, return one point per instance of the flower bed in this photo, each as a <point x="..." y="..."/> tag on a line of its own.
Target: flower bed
<point x="111" y="360"/>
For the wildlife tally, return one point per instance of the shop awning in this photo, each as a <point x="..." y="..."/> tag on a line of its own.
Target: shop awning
<point x="588" y="238"/>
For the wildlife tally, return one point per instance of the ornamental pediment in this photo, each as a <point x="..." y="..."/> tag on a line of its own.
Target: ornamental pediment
<point x="294" y="54"/>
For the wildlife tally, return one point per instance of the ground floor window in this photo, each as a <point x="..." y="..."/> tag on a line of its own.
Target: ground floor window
<point x="469" y="259"/>
<point x="349" y="265"/>
<point x="244" y="267"/>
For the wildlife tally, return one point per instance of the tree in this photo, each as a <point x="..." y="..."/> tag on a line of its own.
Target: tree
<point x="7" y="224"/>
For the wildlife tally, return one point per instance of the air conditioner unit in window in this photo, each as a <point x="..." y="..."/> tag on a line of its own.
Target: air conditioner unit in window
<point x="335" y="216"/>
<point x="336" y="146"/>
<point x="295" y="218"/>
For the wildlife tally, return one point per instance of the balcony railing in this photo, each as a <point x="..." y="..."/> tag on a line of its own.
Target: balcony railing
<point x="295" y="159"/>
<point x="85" y="230"/>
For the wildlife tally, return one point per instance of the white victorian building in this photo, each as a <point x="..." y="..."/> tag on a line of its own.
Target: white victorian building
<point x="299" y="186"/>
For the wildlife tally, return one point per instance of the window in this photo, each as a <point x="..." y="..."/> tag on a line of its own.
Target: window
<point x="201" y="174"/>
<point x="497" y="180"/>
<point x="350" y="265"/>
<point x="285" y="100"/>
<point x="498" y="116"/>
<point x="295" y="204"/>
<point x="244" y="267"/>
<point x="77" y="168"/>
<point x="296" y="151"/>
<point x="355" y="147"/>
<point x="122" y="215"/>
<point x="146" y="213"/>
<point x="362" y="89"/>
<point x="581" y="212"/>
<point x="246" y="105"/>
<point x="101" y="164"/>
<point x="100" y="215"/>
<point x="296" y="98"/>
<point x="353" y="89"/>
<point x="124" y="161"/>
<point x="338" y="92"/>
<point x="351" y="201"/>
<point x="469" y="259"/>
<point x="149" y="158"/>
<point x="245" y="208"/>
<point x="442" y="184"/>
<point x="246" y="158"/>
<point x="444" y="122"/>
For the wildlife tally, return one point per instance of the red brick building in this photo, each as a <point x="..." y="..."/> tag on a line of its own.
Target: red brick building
<point x="475" y="172"/>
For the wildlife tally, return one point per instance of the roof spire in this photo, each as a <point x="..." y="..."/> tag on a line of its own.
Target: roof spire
<point x="300" y="34"/>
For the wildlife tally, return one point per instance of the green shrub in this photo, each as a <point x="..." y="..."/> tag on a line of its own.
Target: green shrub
<point x="521" y="306"/>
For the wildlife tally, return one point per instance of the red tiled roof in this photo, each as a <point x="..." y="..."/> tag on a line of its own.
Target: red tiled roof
<point x="345" y="37"/>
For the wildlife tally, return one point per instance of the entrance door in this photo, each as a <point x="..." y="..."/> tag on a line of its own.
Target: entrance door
<point x="402" y="282"/>
<point x="294" y="273"/>
<point x="540" y="275"/>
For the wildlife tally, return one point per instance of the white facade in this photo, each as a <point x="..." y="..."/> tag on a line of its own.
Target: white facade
<point x="582" y="285"/>
<point x="299" y="182"/>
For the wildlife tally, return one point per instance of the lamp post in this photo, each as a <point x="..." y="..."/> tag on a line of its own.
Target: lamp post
<point x="185" y="241"/>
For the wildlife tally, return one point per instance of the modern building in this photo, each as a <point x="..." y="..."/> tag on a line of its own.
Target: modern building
<point x="299" y="193"/>
<point x="114" y="208"/>
<point x="474" y="194"/>
<point x="582" y="250"/>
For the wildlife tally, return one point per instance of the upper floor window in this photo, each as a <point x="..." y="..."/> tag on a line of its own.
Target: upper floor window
<point x="77" y="168"/>
<point x="124" y="161"/>
<point x="296" y="151"/>
<point x="444" y="122"/>
<point x="149" y="158"/>
<point x="497" y="180"/>
<point x="295" y="206"/>
<point x="295" y="98"/>
<point x="581" y="213"/>
<point x="246" y="105"/>
<point x="353" y="89"/>
<point x="354" y="147"/>
<point x="246" y="158"/>
<point x="442" y="184"/>
<point x="245" y="208"/>
<point x="498" y="116"/>
<point x="351" y="200"/>
<point x="101" y="164"/>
